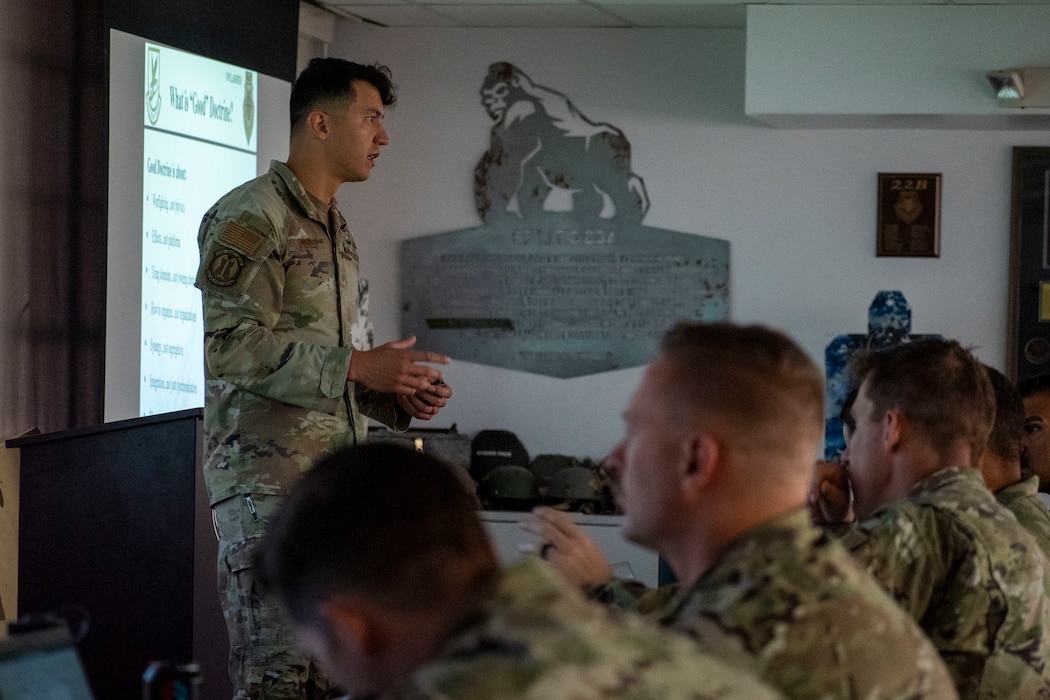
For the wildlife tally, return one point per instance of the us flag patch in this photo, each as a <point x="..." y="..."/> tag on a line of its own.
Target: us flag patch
<point x="236" y="235"/>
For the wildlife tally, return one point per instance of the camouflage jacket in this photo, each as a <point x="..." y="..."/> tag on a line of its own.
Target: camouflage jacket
<point x="972" y="577"/>
<point x="788" y="601"/>
<point x="1022" y="500"/>
<point x="539" y="638"/>
<point x="280" y="284"/>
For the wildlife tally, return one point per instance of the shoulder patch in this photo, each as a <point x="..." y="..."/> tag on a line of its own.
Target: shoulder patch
<point x="240" y="237"/>
<point x="224" y="267"/>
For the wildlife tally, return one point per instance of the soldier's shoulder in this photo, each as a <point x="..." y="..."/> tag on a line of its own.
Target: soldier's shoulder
<point x="540" y="639"/>
<point x="669" y="667"/>
<point x="260" y="204"/>
<point x="246" y="193"/>
<point x="913" y="517"/>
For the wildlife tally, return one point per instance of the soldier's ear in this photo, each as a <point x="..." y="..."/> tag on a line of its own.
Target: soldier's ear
<point x="351" y="624"/>
<point x="704" y="460"/>
<point x="893" y="429"/>
<point x="317" y="123"/>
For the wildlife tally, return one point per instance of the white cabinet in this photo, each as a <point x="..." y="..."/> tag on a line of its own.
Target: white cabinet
<point x="628" y="559"/>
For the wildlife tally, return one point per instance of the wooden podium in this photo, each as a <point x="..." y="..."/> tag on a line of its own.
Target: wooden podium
<point x="114" y="519"/>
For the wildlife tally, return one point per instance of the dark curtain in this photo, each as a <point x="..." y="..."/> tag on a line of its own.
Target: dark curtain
<point x="53" y="202"/>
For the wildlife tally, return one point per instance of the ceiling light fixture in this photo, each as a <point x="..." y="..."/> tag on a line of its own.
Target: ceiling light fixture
<point x="1007" y="84"/>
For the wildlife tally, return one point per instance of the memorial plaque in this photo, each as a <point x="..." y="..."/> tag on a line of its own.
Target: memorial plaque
<point x="562" y="279"/>
<point x="559" y="301"/>
<point x="909" y="215"/>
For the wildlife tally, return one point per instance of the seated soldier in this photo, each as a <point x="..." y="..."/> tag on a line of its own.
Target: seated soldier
<point x="1035" y="442"/>
<point x="1000" y="462"/>
<point x="713" y="473"/>
<point x="392" y="586"/>
<point x="931" y="531"/>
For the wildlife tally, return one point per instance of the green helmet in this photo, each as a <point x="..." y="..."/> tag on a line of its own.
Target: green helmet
<point x="508" y="487"/>
<point x="574" y="483"/>
<point x="546" y="466"/>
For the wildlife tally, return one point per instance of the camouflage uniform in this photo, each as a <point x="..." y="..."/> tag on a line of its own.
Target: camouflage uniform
<point x="539" y="638"/>
<point x="279" y="275"/>
<point x="975" y="580"/>
<point x="788" y="601"/>
<point x="1022" y="500"/>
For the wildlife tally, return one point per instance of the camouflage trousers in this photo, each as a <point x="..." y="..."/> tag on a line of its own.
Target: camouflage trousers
<point x="265" y="662"/>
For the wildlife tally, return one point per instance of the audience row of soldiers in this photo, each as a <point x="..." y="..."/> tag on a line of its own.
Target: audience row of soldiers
<point x="916" y="567"/>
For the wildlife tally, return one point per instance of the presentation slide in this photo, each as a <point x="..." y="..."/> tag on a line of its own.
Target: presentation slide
<point x="184" y="130"/>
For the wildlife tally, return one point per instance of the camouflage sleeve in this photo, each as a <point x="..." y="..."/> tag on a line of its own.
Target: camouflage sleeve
<point x="633" y="596"/>
<point x="242" y="280"/>
<point x="907" y="551"/>
<point x="382" y="407"/>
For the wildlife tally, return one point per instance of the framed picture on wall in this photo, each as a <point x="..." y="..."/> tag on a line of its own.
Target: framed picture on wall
<point x="909" y="220"/>
<point x="1028" y="326"/>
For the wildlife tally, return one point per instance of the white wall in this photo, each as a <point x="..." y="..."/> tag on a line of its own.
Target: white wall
<point x="843" y="64"/>
<point x="798" y="206"/>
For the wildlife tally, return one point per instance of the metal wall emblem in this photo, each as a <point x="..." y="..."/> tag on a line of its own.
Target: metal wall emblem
<point x="562" y="279"/>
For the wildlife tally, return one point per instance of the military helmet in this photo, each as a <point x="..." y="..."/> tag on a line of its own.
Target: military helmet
<point x="546" y="466"/>
<point x="494" y="448"/>
<point x="508" y="487"/>
<point x="574" y="484"/>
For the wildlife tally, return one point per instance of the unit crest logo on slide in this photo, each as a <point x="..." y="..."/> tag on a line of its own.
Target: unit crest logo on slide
<point x="249" y="106"/>
<point x="153" y="100"/>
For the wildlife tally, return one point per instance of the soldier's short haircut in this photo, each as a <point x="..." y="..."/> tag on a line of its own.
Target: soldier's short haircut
<point x="754" y="380"/>
<point x="1004" y="441"/>
<point x="326" y="81"/>
<point x="380" y="522"/>
<point x="846" y="412"/>
<point x="1039" y="384"/>
<point x="936" y="384"/>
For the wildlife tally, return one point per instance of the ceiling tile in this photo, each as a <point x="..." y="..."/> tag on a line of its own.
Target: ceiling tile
<point x="856" y="2"/>
<point x="497" y="3"/>
<point x="530" y="15"/>
<point x="638" y="15"/>
<point x="400" y="16"/>
<point x="669" y="3"/>
<point x="349" y="5"/>
<point x="590" y="13"/>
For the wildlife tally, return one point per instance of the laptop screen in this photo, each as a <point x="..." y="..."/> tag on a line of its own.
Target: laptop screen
<point x="42" y="665"/>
